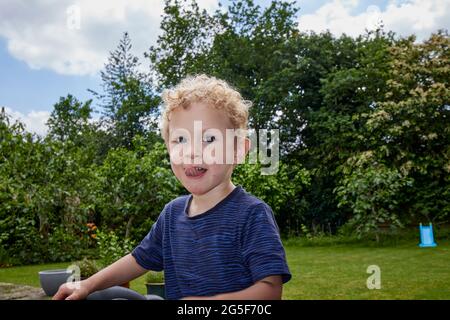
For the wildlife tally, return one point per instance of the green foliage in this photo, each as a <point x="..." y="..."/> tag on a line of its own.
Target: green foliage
<point x="187" y="33"/>
<point x="69" y="120"/>
<point x="49" y="191"/>
<point x="129" y="103"/>
<point x="111" y="247"/>
<point x="88" y="267"/>
<point x="133" y="187"/>
<point x="154" y="277"/>
<point x="371" y="191"/>
<point x="279" y="190"/>
<point x="402" y="175"/>
<point x="412" y="125"/>
<point x="40" y="196"/>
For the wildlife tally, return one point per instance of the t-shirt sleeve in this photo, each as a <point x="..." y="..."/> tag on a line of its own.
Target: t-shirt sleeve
<point x="263" y="251"/>
<point x="149" y="253"/>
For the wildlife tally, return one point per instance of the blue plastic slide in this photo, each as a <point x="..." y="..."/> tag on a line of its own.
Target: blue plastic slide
<point x="426" y="236"/>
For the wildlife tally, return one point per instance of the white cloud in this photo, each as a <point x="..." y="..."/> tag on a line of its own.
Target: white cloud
<point x="34" y="121"/>
<point x="403" y="17"/>
<point x="50" y="34"/>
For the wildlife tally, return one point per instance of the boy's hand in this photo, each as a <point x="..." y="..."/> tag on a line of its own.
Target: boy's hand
<point x="123" y="270"/>
<point x="73" y="291"/>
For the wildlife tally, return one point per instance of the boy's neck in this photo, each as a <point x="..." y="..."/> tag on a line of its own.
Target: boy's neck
<point x="202" y="203"/>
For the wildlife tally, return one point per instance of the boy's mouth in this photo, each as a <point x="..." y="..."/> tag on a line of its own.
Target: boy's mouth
<point x="195" y="172"/>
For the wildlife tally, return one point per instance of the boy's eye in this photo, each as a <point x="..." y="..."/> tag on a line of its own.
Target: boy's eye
<point x="180" y="139"/>
<point x="210" y="139"/>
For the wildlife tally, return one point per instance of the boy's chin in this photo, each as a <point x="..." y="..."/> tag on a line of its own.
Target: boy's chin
<point x="197" y="190"/>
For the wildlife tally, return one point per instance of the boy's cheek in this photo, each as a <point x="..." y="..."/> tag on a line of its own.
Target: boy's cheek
<point x="175" y="156"/>
<point x="175" y="167"/>
<point x="178" y="172"/>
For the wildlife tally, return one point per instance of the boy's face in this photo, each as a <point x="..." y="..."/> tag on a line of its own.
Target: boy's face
<point x="198" y="147"/>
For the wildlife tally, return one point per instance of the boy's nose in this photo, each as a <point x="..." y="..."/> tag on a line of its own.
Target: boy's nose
<point x="194" y="151"/>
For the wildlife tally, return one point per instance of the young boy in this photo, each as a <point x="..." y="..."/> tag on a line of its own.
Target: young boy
<point x="219" y="242"/>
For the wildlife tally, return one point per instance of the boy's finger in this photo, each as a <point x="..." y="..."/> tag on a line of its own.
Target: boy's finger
<point x="59" y="295"/>
<point x="73" y="296"/>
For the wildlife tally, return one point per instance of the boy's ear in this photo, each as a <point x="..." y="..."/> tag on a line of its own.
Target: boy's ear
<point x="242" y="147"/>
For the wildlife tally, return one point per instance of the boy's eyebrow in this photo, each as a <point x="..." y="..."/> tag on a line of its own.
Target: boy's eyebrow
<point x="208" y="129"/>
<point x="174" y="130"/>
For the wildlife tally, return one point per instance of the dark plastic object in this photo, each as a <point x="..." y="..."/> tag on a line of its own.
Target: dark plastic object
<point x="120" y="293"/>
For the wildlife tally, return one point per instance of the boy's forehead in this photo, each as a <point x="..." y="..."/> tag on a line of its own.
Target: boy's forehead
<point x="199" y="113"/>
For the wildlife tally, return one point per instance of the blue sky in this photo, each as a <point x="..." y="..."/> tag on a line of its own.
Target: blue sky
<point x="27" y="89"/>
<point x="41" y="59"/>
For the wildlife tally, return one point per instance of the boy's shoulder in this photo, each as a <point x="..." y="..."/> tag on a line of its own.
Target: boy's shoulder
<point x="179" y="201"/>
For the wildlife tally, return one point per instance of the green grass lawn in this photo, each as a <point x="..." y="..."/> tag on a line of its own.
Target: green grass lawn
<point x="339" y="272"/>
<point x="335" y="272"/>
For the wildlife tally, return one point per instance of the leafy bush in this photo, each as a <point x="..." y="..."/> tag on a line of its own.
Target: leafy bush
<point x="111" y="248"/>
<point x="371" y="191"/>
<point x="133" y="187"/>
<point x="88" y="267"/>
<point x="154" y="277"/>
<point x="43" y="190"/>
<point x="281" y="191"/>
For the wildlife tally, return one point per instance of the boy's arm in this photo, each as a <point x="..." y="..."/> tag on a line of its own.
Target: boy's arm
<point x="269" y="288"/>
<point x="123" y="270"/>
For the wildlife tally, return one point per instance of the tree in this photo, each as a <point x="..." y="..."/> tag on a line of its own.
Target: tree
<point x="69" y="120"/>
<point x="411" y="128"/>
<point x="402" y="174"/>
<point x="352" y="79"/>
<point x="371" y="190"/>
<point x="231" y="44"/>
<point x="187" y="34"/>
<point x="130" y="106"/>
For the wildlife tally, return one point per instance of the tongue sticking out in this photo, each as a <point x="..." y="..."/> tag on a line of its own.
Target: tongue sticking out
<point x="195" y="172"/>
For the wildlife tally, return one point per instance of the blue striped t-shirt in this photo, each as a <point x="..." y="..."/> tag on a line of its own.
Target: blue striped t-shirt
<point x="225" y="249"/>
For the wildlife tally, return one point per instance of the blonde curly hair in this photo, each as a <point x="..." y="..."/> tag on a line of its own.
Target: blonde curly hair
<point x="202" y="88"/>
